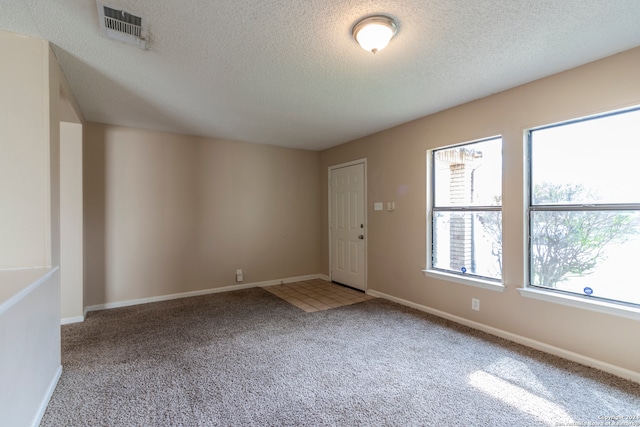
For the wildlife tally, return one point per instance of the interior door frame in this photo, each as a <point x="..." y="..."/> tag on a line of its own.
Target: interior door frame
<point x="362" y="161"/>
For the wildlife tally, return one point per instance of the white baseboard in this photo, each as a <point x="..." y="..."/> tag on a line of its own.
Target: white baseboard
<point x="324" y="277"/>
<point x="201" y="292"/>
<point x="45" y="400"/>
<point x="560" y="352"/>
<point x="67" y="320"/>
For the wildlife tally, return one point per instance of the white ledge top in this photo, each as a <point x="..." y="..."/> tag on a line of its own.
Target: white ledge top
<point x="579" y="301"/>
<point x="17" y="283"/>
<point x="465" y="280"/>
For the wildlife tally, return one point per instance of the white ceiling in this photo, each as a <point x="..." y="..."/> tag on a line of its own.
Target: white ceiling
<point x="287" y="72"/>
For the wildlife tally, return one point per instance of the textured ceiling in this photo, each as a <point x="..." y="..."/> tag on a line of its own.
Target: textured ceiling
<point x="287" y="72"/>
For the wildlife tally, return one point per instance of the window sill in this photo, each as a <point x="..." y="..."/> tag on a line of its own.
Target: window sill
<point x="586" y="303"/>
<point x="478" y="283"/>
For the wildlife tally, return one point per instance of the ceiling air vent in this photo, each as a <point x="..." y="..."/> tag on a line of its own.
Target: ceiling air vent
<point x="122" y="25"/>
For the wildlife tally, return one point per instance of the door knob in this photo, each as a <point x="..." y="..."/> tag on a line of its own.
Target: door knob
<point x="361" y="237"/>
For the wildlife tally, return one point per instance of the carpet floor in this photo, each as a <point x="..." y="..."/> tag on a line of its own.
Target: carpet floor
<point x="248" y="358"/>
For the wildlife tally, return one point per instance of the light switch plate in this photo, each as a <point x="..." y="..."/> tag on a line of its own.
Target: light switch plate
<point x="377" y="206"/>
<point x="391" y="206"/>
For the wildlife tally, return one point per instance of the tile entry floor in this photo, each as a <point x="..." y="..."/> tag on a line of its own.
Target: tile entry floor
<point x="317" y="295"/>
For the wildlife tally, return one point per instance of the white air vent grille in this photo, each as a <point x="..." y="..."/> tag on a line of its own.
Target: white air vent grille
<point x="124" y="22"/>
<point x="122" y="25"/>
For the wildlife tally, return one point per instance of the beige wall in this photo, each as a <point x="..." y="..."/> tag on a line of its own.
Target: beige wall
<point x="167" y="213"/>
<point x="52" y="156"/>
<point x="31" y="81"/>
<point x="24" y="140"/>
<point x="71" y="228"/>
<point x="397" y="172"/>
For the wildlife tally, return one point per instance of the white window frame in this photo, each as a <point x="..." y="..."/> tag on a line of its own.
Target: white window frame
<point x="600" y="305"/>
<point x="430" y="271"/>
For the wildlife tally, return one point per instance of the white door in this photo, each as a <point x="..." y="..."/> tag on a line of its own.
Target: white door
<point x="347" y="225"/>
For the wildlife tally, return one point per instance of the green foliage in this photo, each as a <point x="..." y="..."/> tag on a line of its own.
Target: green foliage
<point x="570" y="243"/>
<point x="567" y="244"/>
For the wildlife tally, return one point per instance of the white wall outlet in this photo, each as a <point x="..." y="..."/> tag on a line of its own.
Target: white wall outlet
<point x="475" y="304"/>
<point x="239" y="277"/>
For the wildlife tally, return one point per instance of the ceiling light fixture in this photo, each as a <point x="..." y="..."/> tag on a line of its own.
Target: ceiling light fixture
<point x="374" y="32"/>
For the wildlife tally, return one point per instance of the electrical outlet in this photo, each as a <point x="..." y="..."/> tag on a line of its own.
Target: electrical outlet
<point x="239" y="276"/>
<point x="475" y="304"/>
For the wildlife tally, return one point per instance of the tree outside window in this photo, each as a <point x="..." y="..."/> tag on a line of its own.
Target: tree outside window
<point x="584" y="215"/>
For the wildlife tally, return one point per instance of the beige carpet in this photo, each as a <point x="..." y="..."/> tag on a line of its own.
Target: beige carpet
<point x="248" y="358"/>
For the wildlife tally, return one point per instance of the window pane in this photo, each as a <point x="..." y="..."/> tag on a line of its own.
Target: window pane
<point x="588" y="251"/>
<point x="587" y="162"/>
<point x="468" y="242"/>
<point x="469" y="175"/>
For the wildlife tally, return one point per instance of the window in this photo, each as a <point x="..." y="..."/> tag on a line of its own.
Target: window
<point x="466" y="213"/>
<point x="584" y="215"/>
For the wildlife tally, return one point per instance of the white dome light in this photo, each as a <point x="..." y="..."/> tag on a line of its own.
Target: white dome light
<point x="375" y="32"/>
